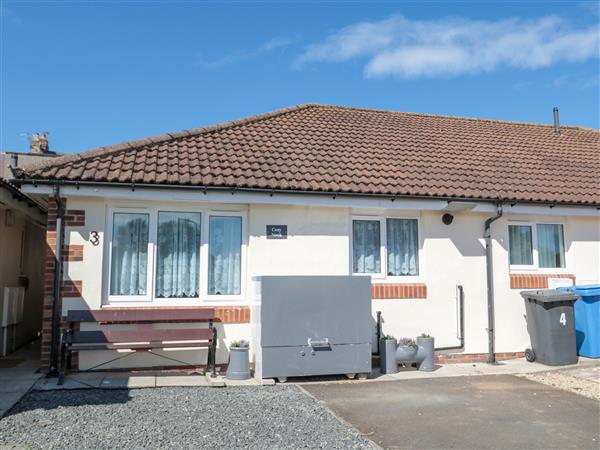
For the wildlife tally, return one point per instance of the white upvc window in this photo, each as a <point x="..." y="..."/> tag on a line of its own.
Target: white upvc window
<point x="536" y="246"/>
<point x="225" y="255"/>
<point x="175" y="255"/>
<point x="386" y="248"/>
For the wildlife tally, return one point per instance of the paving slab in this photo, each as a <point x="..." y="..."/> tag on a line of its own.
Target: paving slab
<point x="181" y="380"/>
<point x="217" y="381"/>
<point x="488" y="411"/>
<point x="127" y="381"/>
<point x="16" y="381"/>
<point x="248" y="382"/>
<point x="85" y="380"/>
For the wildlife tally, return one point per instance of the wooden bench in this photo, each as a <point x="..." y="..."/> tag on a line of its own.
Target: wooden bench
<point x="141" y="338"/>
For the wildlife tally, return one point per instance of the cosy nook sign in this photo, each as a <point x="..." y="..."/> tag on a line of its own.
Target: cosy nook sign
<point x="276" y="231"/>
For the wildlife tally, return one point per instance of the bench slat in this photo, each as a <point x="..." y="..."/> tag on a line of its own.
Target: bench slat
<point x="141" y="315"/>
<point x="149" y="346"/>
<point x="137" y="336"/>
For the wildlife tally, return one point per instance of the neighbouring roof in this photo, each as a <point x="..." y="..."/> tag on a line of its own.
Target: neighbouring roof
<point x="323" y="148"/>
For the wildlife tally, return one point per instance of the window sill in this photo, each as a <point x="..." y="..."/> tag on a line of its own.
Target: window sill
<point x="538" y="271"/>
<point x="223" y="313"/>
<point x="176" y="302"/>
<point x="535" y="280"/>
<point x="380" y="291"/>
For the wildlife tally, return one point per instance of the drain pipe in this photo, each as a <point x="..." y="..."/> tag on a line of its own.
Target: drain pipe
<point x="487" y="234"/>
<point x="56" y="310"/>
<point x="461" y="322"/>
<point x="378" y="332"/>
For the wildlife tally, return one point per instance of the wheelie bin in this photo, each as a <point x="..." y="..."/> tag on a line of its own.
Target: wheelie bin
<point x="587" y="319"/>
<point x="551" y="326"/>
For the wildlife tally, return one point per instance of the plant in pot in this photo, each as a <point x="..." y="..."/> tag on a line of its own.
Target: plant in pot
<point x="239" y="364"/>
<point x="407" y="349"/>
<point x="426" y="352"/>
<point x="387" y="354"/>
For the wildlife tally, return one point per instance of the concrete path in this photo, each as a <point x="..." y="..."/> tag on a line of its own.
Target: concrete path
<point x="488" y="411"/>
<point x="18" y="380"/>
<point x="148" y="379"/>
<point x="508" y="367"/>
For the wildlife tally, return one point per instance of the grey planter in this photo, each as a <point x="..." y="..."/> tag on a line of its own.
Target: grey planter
<point x="387" y="356"/>
<point x="239" y="366"/>
<point x="425" y="353"/>
<point x="406" y="353"/>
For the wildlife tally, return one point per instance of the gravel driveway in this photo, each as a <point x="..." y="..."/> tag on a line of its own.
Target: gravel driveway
<point x="247" y="417"/>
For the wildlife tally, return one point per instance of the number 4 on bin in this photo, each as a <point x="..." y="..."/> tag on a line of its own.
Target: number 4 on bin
<point x="563" y="319"/>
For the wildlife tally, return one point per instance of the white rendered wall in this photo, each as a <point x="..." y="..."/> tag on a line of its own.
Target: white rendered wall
<point x="318" y="243"/>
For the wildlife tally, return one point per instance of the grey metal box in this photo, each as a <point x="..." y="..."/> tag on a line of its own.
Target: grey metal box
<point x="312" y="325"/>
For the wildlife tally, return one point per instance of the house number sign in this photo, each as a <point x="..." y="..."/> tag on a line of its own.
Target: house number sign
<point x="94" y="238"/>
<point x="276" y="231"/>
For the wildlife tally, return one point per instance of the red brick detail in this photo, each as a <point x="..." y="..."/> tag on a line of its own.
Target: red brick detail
<point x="457" y="358"/>
<point x="398" y="290"/>
<point x="534" y="281"/>
<point x="224" y="314"/>
<point x="71" y="288"/>
<point x="74" y="217"/>
<point x="49" y="283"/>
<point x="73" y="252"/>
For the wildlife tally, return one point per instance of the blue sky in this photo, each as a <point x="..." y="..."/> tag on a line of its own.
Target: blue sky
<point x="99" y="73"/>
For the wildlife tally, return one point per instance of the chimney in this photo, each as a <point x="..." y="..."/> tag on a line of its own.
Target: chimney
<point x="39" y="144"/>
<point x="556" y="123"/>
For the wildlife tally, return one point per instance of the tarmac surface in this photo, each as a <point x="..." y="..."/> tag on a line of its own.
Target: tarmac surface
<point x="487" y="411"/>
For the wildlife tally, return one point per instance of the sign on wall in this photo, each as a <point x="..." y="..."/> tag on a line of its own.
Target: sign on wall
<point x="276" y="231"/>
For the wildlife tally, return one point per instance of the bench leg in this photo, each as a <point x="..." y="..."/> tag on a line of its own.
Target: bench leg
<point x="212" y="355"/>
<point x="65" y="357"/>
<point x="63" y="361"/>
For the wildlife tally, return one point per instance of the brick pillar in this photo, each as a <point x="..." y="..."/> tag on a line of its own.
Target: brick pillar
<point x="49" y="282"/>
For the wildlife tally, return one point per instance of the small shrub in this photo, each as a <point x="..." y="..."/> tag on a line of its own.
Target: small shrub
<point x="389" y="337"/>
<point x="240" y="344"/>
<point x="407" y="342"/>
<point x="424" y="335"/>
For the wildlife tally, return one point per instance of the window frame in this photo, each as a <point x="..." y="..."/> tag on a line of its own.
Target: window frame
<point x="155" y="258"/>
<point x="535" y="267"/>
<point x="383" y="276"/>
<point x="382" y="241"/>
<point x="150" y="256"/>
<point x="205" y="253"/>
<point x="150" y="299"/>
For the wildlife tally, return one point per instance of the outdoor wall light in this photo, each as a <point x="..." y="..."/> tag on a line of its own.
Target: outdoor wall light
<point x="447" y="219"/>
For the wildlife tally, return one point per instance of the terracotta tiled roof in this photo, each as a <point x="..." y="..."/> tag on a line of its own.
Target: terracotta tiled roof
<point x="340" y="149"/>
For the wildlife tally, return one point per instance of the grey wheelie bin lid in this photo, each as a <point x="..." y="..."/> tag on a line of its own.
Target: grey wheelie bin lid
<point x="551" y="326"/>
<point x="549" y="295"/>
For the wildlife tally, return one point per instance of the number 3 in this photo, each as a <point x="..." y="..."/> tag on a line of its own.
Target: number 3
<point x="563" y="319"/>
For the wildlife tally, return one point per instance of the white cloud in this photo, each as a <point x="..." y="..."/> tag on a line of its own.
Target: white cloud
<point x="452" y="46"/>
<point x="238" y="56"/>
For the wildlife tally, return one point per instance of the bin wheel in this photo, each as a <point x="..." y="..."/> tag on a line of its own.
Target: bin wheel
<point x="529" y="355"/>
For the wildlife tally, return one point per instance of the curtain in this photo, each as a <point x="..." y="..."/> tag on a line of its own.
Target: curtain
<point x="366" y="246"/>
<point x="551" y="246"/>
<point x="402" y="247"/>
<point x="129" y="258"/>
<point x="178" y="255"/>
<point x="224" y="255"/>
<point x="520" y="245"/>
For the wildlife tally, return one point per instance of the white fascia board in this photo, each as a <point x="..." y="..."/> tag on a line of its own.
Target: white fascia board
<point x="546" y="210"/>
<point x="192" y="195"/>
